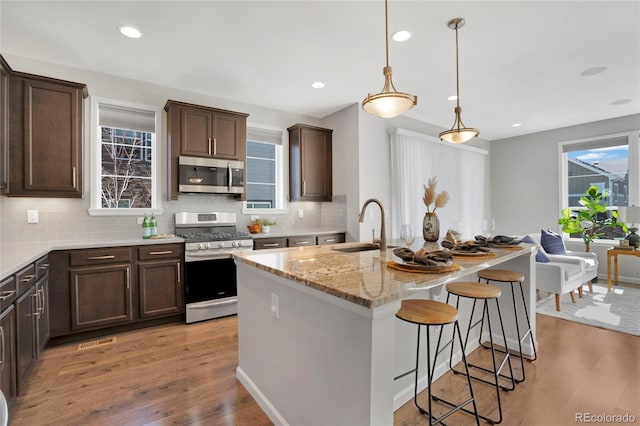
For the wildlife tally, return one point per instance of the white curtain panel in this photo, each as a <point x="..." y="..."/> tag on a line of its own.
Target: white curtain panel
<point x="460" y="171"/>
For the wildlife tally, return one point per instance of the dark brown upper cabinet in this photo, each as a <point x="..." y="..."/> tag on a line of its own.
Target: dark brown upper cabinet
<point x="200" y="131"/>
<point x="44" y="144"/>
<point x="310" y="172"/>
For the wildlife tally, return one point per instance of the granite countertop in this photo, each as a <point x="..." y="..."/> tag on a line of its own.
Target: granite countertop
<point x="361" y="277"/>
<point x="15" y="256"/>
<point x="277" y="233"/>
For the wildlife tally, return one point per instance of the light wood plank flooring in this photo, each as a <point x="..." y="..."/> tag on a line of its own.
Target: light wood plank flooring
<point x="185" y="375"/>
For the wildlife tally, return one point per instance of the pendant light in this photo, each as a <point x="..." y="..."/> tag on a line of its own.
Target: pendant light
<point x="458" y="133"/>
<point x="389" y="102"/>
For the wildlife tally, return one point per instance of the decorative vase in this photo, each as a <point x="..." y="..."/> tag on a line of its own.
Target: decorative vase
<point x="633" y="238"/>
<point x="431" y="227"/>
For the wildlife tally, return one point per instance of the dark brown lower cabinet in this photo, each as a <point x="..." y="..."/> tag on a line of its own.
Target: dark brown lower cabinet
<point x="161" y="290"/>
<point x="26" y="343"/>
<point x="100" y="296"/>
<point x="8" y="354"/>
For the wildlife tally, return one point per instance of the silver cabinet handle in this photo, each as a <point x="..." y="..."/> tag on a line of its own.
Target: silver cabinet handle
<point x="43" y="266"/>
<point x="303" y="242"/>
<point x="43" y="304"/>
<point x="36" y="295"/>
<point x="75" y="179"/>
<point x="304" y="187"/>
<point x="179" y="280"/>
<point x="101" y="257"/>
<point x="128" y="279"/>
<point x="2" y="341"/>
<point x="271" y="245"/>
<point x="329" y="240"/>
<point x="215" y="147"/>
<point x="7" y="294"/>
<point x="209" y="151"/>
<point x="230" y="176"/>
<point x="27" y="278"/>
<point x="157" y="253"/>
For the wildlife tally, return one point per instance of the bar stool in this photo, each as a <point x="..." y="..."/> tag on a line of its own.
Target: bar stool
<point x="433" y="313"/>
<point x="483" y="292"/>
<point x="512" y="277"/>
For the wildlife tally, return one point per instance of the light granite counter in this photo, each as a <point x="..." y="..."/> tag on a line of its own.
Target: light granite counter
<point x="15" y="256"/>
<point x="318" y="339"/>
<point x="362" y="277"/>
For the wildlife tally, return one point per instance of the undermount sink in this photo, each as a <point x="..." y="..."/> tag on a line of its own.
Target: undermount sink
<point x="354" y="249"/>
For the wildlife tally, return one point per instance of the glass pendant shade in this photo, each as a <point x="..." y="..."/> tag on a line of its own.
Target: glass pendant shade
<point x="389" y="103"/>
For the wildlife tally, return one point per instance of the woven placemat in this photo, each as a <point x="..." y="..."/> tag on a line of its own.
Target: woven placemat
<point x="507" y="247"/>
<point x="437" y="270"/>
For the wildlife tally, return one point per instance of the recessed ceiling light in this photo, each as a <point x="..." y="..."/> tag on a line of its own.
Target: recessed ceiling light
<point x="593" y="71"/>
<point x="516" y="125"/>
<point x="130" y="32"/>
<point x="452" y="98"/>
<point x="620" y="102"/>
<point x="401" y="35"/>
<point x="317" y="85"/>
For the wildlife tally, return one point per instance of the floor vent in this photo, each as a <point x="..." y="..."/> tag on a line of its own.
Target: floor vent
<point x="97" y="343"/>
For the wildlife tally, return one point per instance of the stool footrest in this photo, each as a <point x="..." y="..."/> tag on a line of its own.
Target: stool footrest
<point x="461" y="408"/>
<point x="483" y="380"/>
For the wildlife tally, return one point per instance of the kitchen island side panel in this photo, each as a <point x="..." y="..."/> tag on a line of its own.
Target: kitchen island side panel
<point x="322" y="361"/>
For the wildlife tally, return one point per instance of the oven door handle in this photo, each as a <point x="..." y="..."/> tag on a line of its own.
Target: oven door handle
<point x="207" y="256"/>
<point x="205" y="305"/>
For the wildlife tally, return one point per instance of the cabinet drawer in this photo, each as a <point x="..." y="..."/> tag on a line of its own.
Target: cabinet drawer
<point x="7" y="292"/>
<point x="160" y="251"/>
<point x="309" y="240"/>
<point x="42" y="267"/>
<point x="330" y="239"/>
<point x="99" y="256"/>
<point x="26" y="278"/>
<point x="269" y="243"/>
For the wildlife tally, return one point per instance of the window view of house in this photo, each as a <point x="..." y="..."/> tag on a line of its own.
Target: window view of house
<point x="261" y="175"/>
<point x="126" y="168"/>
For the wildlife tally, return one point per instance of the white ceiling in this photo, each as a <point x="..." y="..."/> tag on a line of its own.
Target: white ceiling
<point x="520" y="61"/>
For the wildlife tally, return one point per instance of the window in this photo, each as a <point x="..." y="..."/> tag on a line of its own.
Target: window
<point x="611" y="163"/>
<point x="124" y="173"/>
<point x="264" y="170"/>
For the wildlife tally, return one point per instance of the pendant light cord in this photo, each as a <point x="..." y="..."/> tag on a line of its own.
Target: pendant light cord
<point x="386" y="30"/>
<point x="457" y="76"/>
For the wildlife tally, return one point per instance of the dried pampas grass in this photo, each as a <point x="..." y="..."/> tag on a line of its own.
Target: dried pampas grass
<point x="430" y="196"/>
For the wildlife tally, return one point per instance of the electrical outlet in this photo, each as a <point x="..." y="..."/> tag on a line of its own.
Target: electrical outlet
<point x="32" y="216"/>
<point x="300" y="213"/>
<point x="275" y="308"/>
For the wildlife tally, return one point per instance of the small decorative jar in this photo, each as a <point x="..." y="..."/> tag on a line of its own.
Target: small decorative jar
<point x="431" y="227"/>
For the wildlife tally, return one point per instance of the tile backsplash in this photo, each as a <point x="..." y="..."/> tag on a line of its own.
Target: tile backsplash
<point x="63" y="219"/>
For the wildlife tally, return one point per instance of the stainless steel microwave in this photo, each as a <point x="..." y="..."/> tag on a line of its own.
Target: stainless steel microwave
<point x="210" y="175"/>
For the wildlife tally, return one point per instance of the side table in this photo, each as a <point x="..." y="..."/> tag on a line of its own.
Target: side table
<point x="614" y="252"/>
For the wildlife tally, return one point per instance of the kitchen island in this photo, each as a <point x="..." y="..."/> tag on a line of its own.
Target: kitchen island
<point x="318" y="339"/>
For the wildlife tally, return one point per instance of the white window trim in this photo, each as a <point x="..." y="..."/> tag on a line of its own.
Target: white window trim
<point x="95" y="205"/>
<point x="281" y="174"/>
<point x="633" y="140"/>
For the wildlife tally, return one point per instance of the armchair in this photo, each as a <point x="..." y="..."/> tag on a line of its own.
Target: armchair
<point x="562" y="274"/>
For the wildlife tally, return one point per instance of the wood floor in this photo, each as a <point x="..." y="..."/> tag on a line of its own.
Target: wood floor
<point x="185" y="375"/>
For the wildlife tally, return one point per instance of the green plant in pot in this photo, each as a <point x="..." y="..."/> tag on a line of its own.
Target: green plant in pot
<point x="587" y="222"/>
<point x="267" y="224"/>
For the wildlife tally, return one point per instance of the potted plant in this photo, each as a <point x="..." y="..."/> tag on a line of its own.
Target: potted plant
<point x="266" y="225"/>
<point x="587" y="222"/>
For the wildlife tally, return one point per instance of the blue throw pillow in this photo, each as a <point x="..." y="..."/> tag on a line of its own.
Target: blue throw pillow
<point x="541" y="257"/>
<point x="551" y="242"/>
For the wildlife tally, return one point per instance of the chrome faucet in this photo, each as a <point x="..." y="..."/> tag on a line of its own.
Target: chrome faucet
<point x="383" y="238"/>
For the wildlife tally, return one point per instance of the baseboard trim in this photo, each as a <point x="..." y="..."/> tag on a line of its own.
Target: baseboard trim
<point x="260" y="398"/>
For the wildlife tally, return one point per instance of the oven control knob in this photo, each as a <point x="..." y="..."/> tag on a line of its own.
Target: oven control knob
<point x="200" y="246"/>
<point x="221" y="244"/>
<point x="207" y="245"/>
<point x="234" y="244"/>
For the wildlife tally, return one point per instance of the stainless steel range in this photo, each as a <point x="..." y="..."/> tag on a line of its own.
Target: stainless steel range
<point x="210" y="272"/>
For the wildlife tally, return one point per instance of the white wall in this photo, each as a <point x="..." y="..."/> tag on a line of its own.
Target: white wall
<point x="526" y="183"/>
<point x="62" y="219"/>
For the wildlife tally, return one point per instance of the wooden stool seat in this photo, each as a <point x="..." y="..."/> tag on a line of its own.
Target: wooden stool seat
<point x="427" y="312"/>
<point x="474" y="290"/>
<point x="501" y="275"/>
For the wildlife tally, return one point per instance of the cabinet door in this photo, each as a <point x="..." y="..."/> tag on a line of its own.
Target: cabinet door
<point x="301" y="241"/>
<point x="52" y="139"/>
<point x="331" y="239"/>
<point x="269" y="243"/>
<point x="161" y="290"/>
<point x="227" y="136"/>
<point x="26" y="348"/>
<point x="195" y="131"/>
<point x="100" y="296"/>
<point x="8" y="354"/>
<point x="315" y="154"/>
